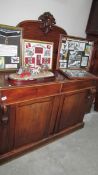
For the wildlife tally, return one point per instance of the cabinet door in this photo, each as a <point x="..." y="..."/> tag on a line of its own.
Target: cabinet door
<point x="7" y="118"/>
<point x="73" y="109"/>
<point x="32" y="121"/>
<point x="92" y="26"/>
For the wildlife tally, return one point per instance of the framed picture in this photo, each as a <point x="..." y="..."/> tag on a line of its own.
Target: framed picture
<point x="75" y="51"/>
<point x="37" y="53"/>
<point x="10" y="47"/>
<point x="84" y="61"/>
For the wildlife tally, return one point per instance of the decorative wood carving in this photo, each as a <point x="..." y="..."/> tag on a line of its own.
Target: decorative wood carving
<point x="47" y="22"/>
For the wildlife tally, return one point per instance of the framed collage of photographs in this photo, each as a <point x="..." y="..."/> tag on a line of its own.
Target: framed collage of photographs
<point x="37" y="53"/>
<point x="74" y="52"/>
<point x="74" y="56"/>
<point x="10" y="47"/>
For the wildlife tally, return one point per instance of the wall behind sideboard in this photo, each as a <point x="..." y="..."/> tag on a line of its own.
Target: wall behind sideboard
<point x="72" y="15"/>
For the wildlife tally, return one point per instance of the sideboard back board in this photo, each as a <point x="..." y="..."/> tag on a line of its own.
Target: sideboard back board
<point x="40" y="30"/>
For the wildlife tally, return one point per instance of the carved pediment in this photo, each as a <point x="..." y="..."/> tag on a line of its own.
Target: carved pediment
<point x="47" y="22"/>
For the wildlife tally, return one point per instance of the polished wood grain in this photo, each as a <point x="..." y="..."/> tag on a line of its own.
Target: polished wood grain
<point x="32" y="121"/>
<point x="38" y="113"/>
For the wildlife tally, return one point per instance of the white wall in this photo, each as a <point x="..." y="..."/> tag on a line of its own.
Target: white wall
<point x="72" y="15"/>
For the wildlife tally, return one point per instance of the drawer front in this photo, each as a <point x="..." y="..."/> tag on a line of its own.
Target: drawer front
<point x="16" y="95"/>
<point x="78" y="85"/>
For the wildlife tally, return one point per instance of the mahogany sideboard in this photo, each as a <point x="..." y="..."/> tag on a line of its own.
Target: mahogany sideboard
<point x="39" y="112"/>
<point x="34" y="114"/>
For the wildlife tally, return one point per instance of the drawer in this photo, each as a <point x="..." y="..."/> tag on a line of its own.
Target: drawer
<point x="77" y="85"/>
<point x="20" y="94"/>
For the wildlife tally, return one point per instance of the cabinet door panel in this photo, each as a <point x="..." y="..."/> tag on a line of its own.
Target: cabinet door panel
<point x="7" y="129"/>
<point x="32" y="121"/>
<point x="4" y="141"/>
<point x="73" y="110"/>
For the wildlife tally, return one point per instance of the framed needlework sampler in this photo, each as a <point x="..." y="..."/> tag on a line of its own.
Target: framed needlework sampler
<point x="36" y="63"/>
<point x="37" y="53"/>
<point x="10" y="47"/>
<point x="74" y="56"/>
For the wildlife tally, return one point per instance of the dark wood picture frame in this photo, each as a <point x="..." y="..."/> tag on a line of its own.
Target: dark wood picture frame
<point x="74" y="56"/>
<point x="72" y="50"/>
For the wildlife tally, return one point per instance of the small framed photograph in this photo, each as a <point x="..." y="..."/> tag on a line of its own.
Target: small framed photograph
<point x="63" y="65"/>
<point x="88" y="49"/>
<point x="10" y="47"/>
<point x="84" y="61"/>
<point x="73" y="45"/>
<point x="37" y="53"/>
<point x="74" y="63"/>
